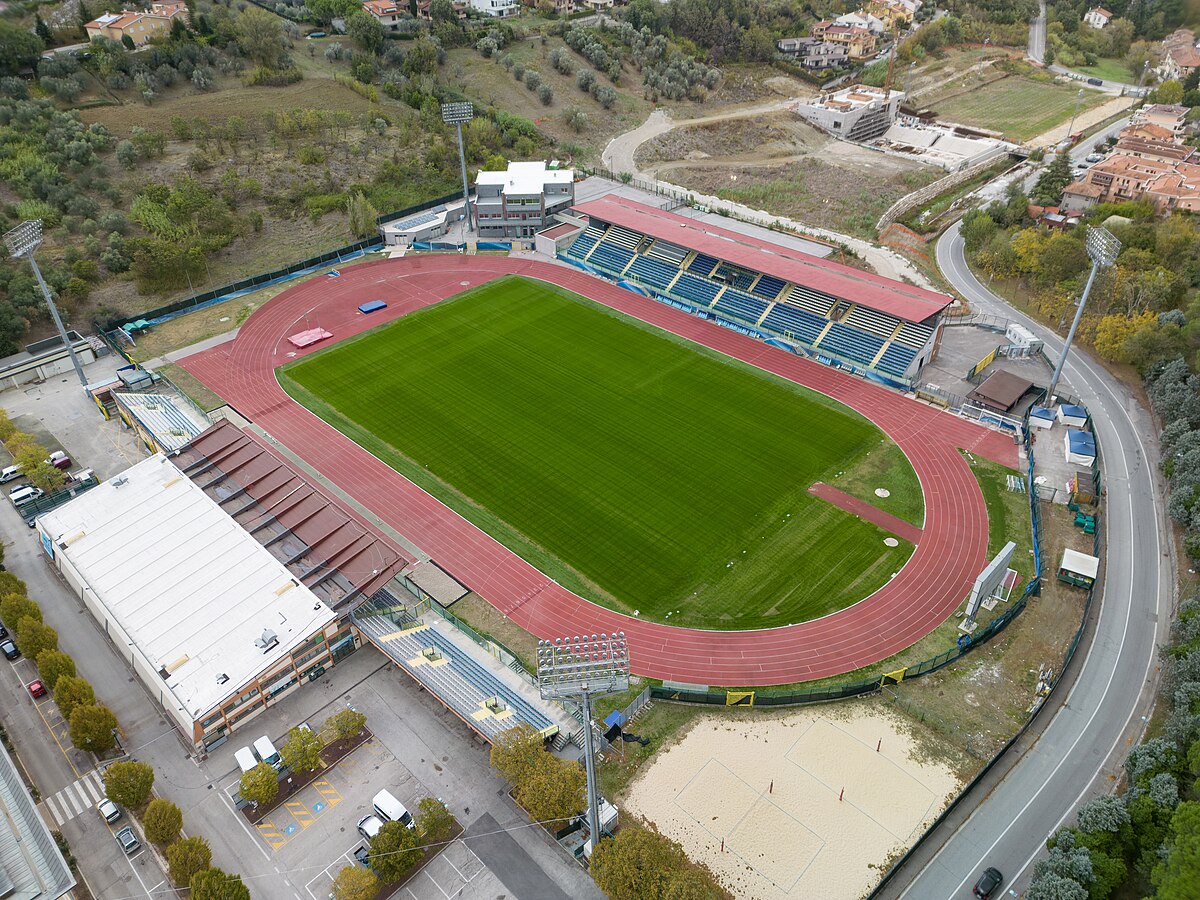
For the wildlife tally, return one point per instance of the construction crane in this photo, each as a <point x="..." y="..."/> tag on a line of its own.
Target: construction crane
<point x="887" y="82"/>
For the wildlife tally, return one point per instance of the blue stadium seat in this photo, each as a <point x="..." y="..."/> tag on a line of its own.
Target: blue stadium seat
<point x="769" y="286"/>
<point x="896" y="359"/>
<point x="741" y="306"/>
<point x="652" y="272"/>
<point x="702" y="265"/>
<point x="610" y="257"/>
<point x="798" y="323"/>
<point x="851" y="343"/>
<point x="699" y="291"/>
<point x="581" y="245"/>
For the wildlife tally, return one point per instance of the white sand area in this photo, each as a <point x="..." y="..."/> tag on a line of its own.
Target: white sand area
<point x="768" y="785"/>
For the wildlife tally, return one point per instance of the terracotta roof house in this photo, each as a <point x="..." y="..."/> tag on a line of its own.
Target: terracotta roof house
<point x="138" y="25"/>
<point x="1097" y="17"/>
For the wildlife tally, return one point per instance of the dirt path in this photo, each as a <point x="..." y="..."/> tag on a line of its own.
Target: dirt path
<point x="619" y="156"/>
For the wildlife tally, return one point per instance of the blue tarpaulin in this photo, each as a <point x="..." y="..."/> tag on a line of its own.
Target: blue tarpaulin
<point x="372" y="306"/>
<point x="1081" y="442"/>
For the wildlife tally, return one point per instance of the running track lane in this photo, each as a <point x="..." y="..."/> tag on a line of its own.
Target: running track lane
<point x="923" y="594"/>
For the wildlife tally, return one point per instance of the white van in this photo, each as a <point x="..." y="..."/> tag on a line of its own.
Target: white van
<point x="9" y="474"/>
<point x="265" y="750"/>
<point x="245" y="759"/>
<point x="24" y="494"/>
<point x="390" y="809"/>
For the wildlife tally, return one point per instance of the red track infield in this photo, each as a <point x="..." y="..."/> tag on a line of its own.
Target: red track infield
<point x="926" y="591"/>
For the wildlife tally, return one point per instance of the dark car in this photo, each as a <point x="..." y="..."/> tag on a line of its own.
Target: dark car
<point x="1096" y="81"/>
<point x="3" y="632"/>
<point x="9" y="649"/>
<point x="989" y="882"/>
<point x="361" y="854"/>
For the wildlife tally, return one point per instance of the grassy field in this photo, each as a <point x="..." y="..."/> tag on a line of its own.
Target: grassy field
<point x="1019" y="107"/>
<point x="663" y="479"/>
<point x="1109" y="70"/>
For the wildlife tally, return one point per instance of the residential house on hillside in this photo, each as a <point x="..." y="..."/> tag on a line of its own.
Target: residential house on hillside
<point x="1079" y="196"/>
<point x="1097" y="17"/>
<point x="1171" y="117"/>
<point x="889" y="11"/>
<point x="387" y="12"/>
<point x="140" y="26"/>
<point x="496" y="8"/>
<point x="460" y="8"/>
<point x="1179" y="55"/>
<point x="863" y="19"/>
<point x="859" y="42"/>
<point x="813" y="53"/>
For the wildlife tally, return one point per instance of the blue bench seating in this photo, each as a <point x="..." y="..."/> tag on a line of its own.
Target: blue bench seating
<point x="652" y="271"/>
<point x="581" y="245"/>
<point x="896" y="358"/>
<point x="768" y="286"/>
<point x="702" y="265"/>
<point x="610" y="257"/>
<point x="691" y="289"/>
<point x="799" y="323"/>
<point x="850" y="343"/>
<point x="741" y="306"/>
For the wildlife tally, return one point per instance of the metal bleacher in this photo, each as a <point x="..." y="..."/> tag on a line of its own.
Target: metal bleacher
<point x="870" y="320"/>
<point x="895" y="358"/>
<point x="742" y="306"/>
<point x="700" y="291"/>
<point x="913" y="335"/>
<point x="850" y="343"/>
<point x="799" y="323"/>
<point x="612" y="257"/>
<point x="768" y="286"/>
<point x="665" y="251"/>
<point x="467" y="687"/>
<point x="702" y="265"/>
<point x="815" y="302"/>
<point x="652" y="271"/>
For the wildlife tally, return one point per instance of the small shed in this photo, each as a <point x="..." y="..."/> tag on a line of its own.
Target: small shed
<point x="1000" y="391"/>
<point x="1078" y="568"/>
<point x="1040" y="417"/>
<point x="1080" y="447"/>
<point x="1070" y="414"/>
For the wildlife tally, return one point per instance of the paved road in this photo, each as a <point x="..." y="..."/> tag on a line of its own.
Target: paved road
<point x="1090" y="732"/>
<point x="1037" y="52"/>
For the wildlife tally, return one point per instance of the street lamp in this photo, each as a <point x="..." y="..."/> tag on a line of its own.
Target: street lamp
<point x="1102" y="248"/>
<point x="982" y="51"/>
<point x="579" y="668"/>
<point x="22" y="242"/>
<point x="1071" y="127"/>
<point x="458" y="114"/>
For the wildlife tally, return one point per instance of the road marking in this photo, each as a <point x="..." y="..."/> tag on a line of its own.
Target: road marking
<point x="272" y="835"/>
<point x="241" y="821"/>
<point x="73" y="799"/>
<point x="300" y="813"/>
<point x="328" y="792"/>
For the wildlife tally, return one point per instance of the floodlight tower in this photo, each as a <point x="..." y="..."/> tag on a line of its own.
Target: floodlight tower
<point x="458" y="114"/>
<point x="22" y="242"/>
<point x="1102" y="248"/>
<point x="579" y="668"/>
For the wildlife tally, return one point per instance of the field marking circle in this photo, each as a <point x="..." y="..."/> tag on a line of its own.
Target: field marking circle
<point x="882" y="492"/>
<point x="891" y="542"/>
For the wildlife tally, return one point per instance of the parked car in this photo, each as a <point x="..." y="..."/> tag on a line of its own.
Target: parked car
<point x="1094" y="157"/>
<point x="3" y="632"/>
<point x="989" y="882"/>
<point x="369" y="826"/>
<point x="109" y="810"/>
<point x="389" y="809"/>
<point x="59" y="460"/>
<point x="127" y="840"/>
<point x="36" y="689"/>
<point x="24" y="493"/>
<point x="10" y="473"/>
<point x="361" y="854"/>
<point x="1095" y="82"/>
<point x="9" y="649"/>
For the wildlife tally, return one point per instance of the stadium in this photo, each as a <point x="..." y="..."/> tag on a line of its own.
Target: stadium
<point x="660" y="450"/>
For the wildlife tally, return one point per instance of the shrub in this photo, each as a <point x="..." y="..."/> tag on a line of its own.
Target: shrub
<point x="163" y="822"/>
<point x="93" y="727"/>
<point x="214" y="884"/>
<point x="546" y="95"/>
<point x="129" y="784"/>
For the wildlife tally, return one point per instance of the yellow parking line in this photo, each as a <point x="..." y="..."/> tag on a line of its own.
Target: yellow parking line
<point x="328" y="792"/>
<point x="300" y="813"/>
<point x="271" y="835"/>
<point x="54" y="735"/>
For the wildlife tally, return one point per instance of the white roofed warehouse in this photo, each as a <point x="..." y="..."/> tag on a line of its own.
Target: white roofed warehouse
<point x="215" y="626"/>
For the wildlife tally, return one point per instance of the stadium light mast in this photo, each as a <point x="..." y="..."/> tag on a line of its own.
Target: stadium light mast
<point x="22" y="242"/>
<point x="579" y="668"/>
<point x="1102" y="248"/>
<point x="458" y="114"/>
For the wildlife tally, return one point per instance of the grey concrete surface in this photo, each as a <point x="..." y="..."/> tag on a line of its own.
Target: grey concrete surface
<point x="1077" y="750"/>
<point x="502" y="853"/>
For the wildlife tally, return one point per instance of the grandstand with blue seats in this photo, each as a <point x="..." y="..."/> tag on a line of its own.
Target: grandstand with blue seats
<point x="839" y="314"/>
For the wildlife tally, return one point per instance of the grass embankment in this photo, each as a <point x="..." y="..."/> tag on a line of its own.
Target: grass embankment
<point x="623" y="463"/>
<point x="1018" y="107"/>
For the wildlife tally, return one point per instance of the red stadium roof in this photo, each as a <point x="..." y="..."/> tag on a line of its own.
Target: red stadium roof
<point x="895" y="298"/>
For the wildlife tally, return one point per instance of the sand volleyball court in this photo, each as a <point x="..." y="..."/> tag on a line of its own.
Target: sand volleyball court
<point x="794" y="804"/>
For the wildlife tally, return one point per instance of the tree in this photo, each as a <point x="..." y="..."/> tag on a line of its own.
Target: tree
<point x="546" y="94"/>
<point x="1055" y="887"/>
<point x="637" y="863"/>
<point x="1169" y="92"/>
<point x="346" y="723"/>
<point x="16" y="606"/>
<point x="363" y="215"/>
<point x="163" y="822"/>
<point x="260" y="35"/>
<point x="515" y="751"/>
<point x="553" y="789"/>
<point x="575" y="118"/>
<point x="214" y="884"/>
<point x="129" y="783"/>
<point x="186" y="857"/>
<point x="301" y="752"/>
<point x="366" y="31"/>
<point x="1114" y="332"/>
<point x="421" y="58"/>
<point x="355" y="883"/>
<point x="43" y="475"/>
<point x="93" y="727"/>
<point x="393" y="851"/>
<point x="70" y="692"/>
<point x="52" y="665"/>
<point x="443" y="11"/>
<point x="260" y="784"/>
<point x="18" y="48"/>
<point x="1054" y="178"/>
<point x="435" y="823"/>
<point x="33" y="636"/>
<point x="1177" y="876"/>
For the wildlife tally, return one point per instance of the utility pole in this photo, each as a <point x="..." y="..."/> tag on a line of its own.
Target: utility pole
<point x="1071" y="127"/>
<point x="458" y="114"/>
<point x="982" y="51"/>
<point x="22" y="243"/>
<point x="1102" y="248"/>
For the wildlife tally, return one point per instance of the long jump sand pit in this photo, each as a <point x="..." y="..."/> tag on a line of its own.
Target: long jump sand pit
<point x="802" y="802"/>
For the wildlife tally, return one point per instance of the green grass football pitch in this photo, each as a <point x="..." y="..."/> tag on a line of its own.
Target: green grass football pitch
<point x="633" y="468"/>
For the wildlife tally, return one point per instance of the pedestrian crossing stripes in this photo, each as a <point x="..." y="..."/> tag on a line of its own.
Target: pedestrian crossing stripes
<point x="72" y="800"/>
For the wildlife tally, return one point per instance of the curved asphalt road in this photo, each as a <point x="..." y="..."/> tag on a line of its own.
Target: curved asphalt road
<point x="1091" y="729"/>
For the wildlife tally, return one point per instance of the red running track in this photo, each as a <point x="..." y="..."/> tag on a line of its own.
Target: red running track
<point x="923" y="594"/>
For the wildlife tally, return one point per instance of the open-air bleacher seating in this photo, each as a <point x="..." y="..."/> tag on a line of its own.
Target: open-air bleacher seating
<point x="652" y="271"/>
<point x="815" y="302"/>
<point x="672" y="254"/>
<point x="895" y="358"/>
<point x="914" y="335"/>
<point x="768" y="286"/>
<point x="610" y="257"/>
<point x="691" y="289"/>
<point x="702" y="265"/>
<point x="850" y="343"/>
<point x="742" y="306"/>
<point x="797" y="323"/>
<point x="623" y="237"/>
<point x="873" y="321"/>
<point x="582" y="244"/>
